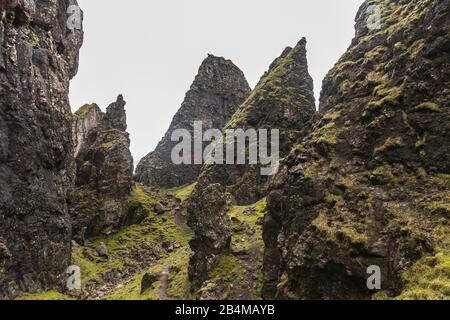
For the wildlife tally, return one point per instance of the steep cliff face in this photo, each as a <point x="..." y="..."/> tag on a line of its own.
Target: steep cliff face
<point x="283" y="100"/>
<point x="39" y="55"/>
<point x="369" y="185"/>
<point x="104" y="168"/>
<point x="85" y="119"/>
<point x="217" y="91"/>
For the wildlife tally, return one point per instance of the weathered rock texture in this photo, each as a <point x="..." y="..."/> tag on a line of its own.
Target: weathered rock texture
<point x="284" y="100"/>
<point x="104" y="169"/>
<point x="217" y="91"/>
<point x="370" y="183"/>
<point x="38" y="57"/>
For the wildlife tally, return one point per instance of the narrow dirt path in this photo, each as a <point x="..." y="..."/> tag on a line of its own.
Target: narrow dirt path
<point x="165" y="273"/>
<point x="164" y="284"/>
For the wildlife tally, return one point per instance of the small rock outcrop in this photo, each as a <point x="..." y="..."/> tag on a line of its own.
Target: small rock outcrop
<point x="148" y="280"/>
<point x="38" y="57"/>
<point x="283" y="100"/>
<point x="369" y="185"/>
<point x="104" y="169"/>
<point x="217" y="91"/>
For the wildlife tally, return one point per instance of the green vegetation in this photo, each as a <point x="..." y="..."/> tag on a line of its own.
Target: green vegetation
<point x="179" y="286"/>
<point x="421" y="141"/>
<point x="109" y="145"/>
<point x="326" y="135"/>
<point x="271" y="88"/>
<point x="383" y="175"/>
<point x="345" y="183"/>
<point x="440" y="207"/>
<point x="390" y="97"/>
<point x="390" y="143"/>
<point x="428" y="106"/>
<point x="184" y="192"/>
<point x="342" y="230"/>
<point x="140" y="196"/>
<point x="342" y="65"/>
<point x="429" y="278"/>
<point x="45" y="296"/>
<point x="442" y="180"/>
<point x="377" y="78"/>
<point x="115" y="137"/>
<point x="85" y="109"/>
<point x="137" y="239"/>
<point x="375" y="53"/>
<point x="249" y="215"/>
<point x="241" y="273"/>
<point x="416" y="48"/>
<point x="400" y="46"/>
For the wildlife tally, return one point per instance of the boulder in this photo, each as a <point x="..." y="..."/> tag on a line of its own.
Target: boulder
<point x="148" y="280"/>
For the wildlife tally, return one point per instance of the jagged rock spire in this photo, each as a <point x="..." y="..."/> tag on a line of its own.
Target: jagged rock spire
<point x="283" y="100"/>
<point x="217" y="91"/>
<point x="367" y="186"/>
<point x="116" y="114"/>
<point x="104" y="168"/>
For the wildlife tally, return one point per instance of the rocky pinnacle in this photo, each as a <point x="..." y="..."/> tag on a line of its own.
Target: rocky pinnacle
<point x="104" y="168"/>
<point x="283" y="100"/>
<point x="217" y="91"/>
<point x="368" y="186"/>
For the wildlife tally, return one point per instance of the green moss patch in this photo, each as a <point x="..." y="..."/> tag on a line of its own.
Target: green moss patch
<point x="389" y="144"/>
<point x="85" y="109"/>
<point x="45" y="296"/>
<point x="238" y="274"/>
<point x="184" y="192"/>
<point x="429" y="278"/>
<point x="179" y="286"/>
<point x="428" y="106"/>
<point x="136" y="240"/>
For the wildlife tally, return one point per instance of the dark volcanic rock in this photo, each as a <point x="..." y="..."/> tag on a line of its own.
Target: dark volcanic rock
<point x="35" y="143"/>
<point x="102" y="250"/>
<point x="284" y="100"/>
<point x="148" y="280"/>
<point x="217" y="91"/>
<point x="363" y="188"/>
<point x="104" y="168"/>
<point x="159" y="209"/>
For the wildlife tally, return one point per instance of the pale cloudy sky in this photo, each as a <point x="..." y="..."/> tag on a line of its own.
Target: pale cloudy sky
<point x="150" y="50"/>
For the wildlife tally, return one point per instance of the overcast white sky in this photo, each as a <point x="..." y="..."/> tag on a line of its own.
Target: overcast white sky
<point x="150" y="50"/>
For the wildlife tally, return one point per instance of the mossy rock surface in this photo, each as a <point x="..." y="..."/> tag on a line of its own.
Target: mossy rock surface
<point x="238" y="273"/>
